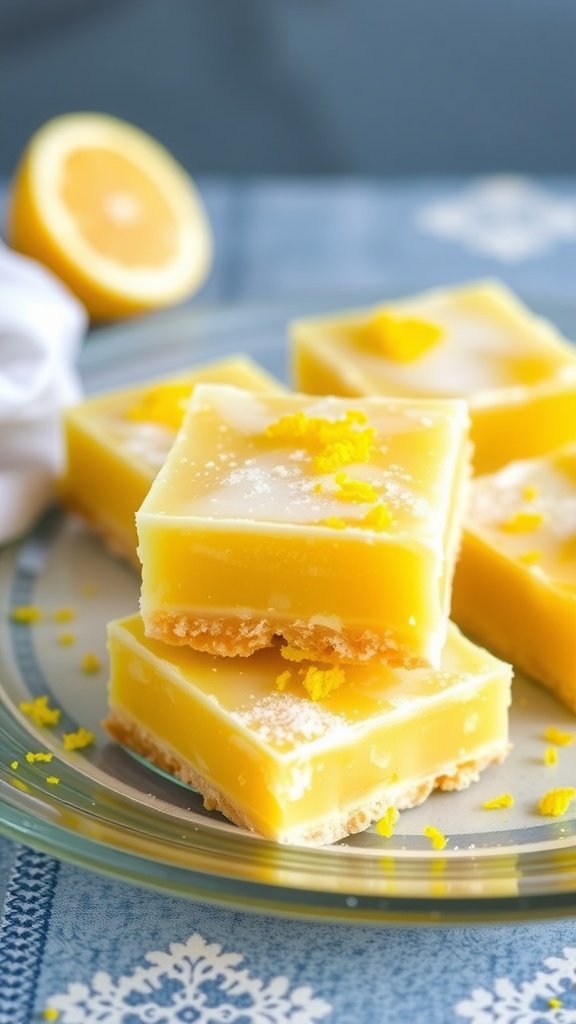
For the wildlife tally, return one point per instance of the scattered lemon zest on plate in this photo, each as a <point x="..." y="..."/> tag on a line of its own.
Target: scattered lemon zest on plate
<point x="558" y="736"/>
<point x="556" y="802"/>
<point x="52" y="780"/>
<point x="437" y="838"/>
<point x="39" y="756"/>
<point x="78" y="740"/>
<point x="499" y="802"/>
<point x="91" y="663"/>
<point x="551" y="756"/>
<point x="385" y="825"/>
<point x="64" y="614"/>
<point x="26" y="614"/>
<point x="39" y="711"/>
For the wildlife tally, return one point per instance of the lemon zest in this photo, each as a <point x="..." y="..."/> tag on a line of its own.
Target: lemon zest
<point x="320" y="682"/>
<point x="26" y="614"/>
<point x="551" y="756"/>
<point x="498" y="802"/>
<point x="14" y="765"/>
<point x="39" y="711"/>
<point x="332" y="443"/>
<point x="52" y="780"/>
<point x="283" y="679"/>
<point x="378" y="518"/>
<point x="436" y="837"/>
<point x="66" y="638"/>
<point x="64" y="614"/>
<point x="41" y="755"/>
<point x="558" y="736"/>
<point x="529" y="492"/>
<point x="403" y="339"/>
<point x="556" y="802"/>
<point x="164" y="405"/>
<point x="385" y="825"/>
<point x="334" y="522"/>
<point x="354" y="490"/>
<point x="78" y="740"/>
<point x="295" y="653"/>
<point x="91" y="663"/>
<point x="522" y="522"/>
<point x="50" y="1013"/>
<point x="554" y="1003"/>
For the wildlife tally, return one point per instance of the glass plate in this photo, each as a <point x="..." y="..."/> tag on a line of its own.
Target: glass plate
<point x="112" y="813"/>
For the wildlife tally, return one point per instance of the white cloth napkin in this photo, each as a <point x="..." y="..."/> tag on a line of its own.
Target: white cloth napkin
<point x="41" y="330"/>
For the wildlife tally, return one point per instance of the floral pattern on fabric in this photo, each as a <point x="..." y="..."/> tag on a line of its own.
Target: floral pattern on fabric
<point x="194" y="983"/>
<point x="507" y="218"/>
<point x="549" y="997"/>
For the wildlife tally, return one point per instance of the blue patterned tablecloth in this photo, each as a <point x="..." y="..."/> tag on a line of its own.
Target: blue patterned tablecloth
<point x="79" y="947"/>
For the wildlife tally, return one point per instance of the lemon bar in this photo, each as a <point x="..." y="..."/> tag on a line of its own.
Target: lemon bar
<point x="117" y="441"/>
<point x="515" y="583"/>
<point x="478" y="342"/>
<point x="331" y="523"/>
<point x="302" y="762"/>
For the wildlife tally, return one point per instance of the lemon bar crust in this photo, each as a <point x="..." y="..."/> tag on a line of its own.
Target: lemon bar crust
<point x="136" y="737"/>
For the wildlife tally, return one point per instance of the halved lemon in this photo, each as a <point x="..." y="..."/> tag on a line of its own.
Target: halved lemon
<point x="112" y="213"/>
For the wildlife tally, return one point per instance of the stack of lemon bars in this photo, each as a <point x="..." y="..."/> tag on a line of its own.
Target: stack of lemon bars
<point x="302" y="552"/>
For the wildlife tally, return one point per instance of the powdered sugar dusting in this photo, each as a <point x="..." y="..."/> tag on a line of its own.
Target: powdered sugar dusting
<point x="285" y="719"/>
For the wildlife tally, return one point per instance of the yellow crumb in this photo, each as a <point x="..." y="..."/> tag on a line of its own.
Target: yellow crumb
<point x="41" y="755"/>
<point x="50" y="1013"/>
<point x="550" y="755"/>
<point x="66" y="638"/>
<point x="77" y="740"/>
<point x="26" y="614"/>
<point x="165" y="405"/>
<point x="52" y="780"/>
<point x="530" y="557"/>
<point x="89" y="589"/>
<point x="14" y="765"/>
<point x="295" y="654"/>
<point x="319" y="682"/>
<point x="91" y="663"/>
<point x="557" y="736"/>
<point x="385" y="825"/>
<point x="283" y="679"/>
<point x="554" y="1003"/>
<point x="400" y="339"/>
<point x="556" y="801"/>
<point x="378" y="518"/>
<point x="529" y="492"/>
<point x="498" y="802"/>
<point x="437" y="839"/>
<point x="354" y="490"/>
<point x="522" y="522"/>
<point x="64" y="614"/>
<point x="39" y="711"/>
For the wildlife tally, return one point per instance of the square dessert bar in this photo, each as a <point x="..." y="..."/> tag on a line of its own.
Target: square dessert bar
<point x="515" y="582"/>
<point x="303" y="753"/>
<point x="477" y="342"/>
<point x="331" y="523"/>
<point x="117" y="441"/>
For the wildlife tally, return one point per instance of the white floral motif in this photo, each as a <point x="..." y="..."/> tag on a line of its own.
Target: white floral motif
<point x="549" y="999"/>
<point x="506" y="217"/>
<point x="195" y="983"/>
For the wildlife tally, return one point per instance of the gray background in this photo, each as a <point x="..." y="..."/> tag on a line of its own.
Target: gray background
<point x="387" y="87"/>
